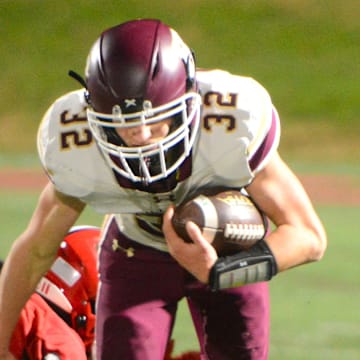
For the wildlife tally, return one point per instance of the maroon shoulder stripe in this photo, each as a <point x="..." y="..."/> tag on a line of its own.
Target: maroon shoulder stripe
<point x="267" y="144"/>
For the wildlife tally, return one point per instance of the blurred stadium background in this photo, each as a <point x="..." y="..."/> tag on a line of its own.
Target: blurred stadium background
<point x="305" y="52"/>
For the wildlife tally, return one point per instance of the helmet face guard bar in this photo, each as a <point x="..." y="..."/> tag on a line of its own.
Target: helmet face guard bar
<point x="121" y="157"/>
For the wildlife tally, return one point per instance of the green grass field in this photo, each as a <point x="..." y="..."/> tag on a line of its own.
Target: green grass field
<point x="304" y="52"/>
<point x="315" y="313"/>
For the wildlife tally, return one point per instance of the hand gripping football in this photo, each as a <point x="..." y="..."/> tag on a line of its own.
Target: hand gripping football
<point x="229" y="220"/>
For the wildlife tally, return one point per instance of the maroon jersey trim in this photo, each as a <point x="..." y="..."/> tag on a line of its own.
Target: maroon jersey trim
<point x="267" y="143"/>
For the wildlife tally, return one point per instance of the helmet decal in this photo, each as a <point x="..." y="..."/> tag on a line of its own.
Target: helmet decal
<point x="65" y="272"/>
<point x="50" y="291"/>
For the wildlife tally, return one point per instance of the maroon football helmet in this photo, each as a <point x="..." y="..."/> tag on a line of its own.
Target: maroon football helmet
<point x="139" y="73"/>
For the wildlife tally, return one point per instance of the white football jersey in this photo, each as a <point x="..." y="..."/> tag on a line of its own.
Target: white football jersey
<point x="239" y="131"/>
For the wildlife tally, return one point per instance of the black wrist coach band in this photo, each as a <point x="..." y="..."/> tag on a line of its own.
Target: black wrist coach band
<point x="249" y="266"/>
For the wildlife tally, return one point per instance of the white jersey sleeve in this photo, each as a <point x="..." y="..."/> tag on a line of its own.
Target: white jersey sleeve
<point x="240" y="126"/>
<point x="67" y="149"/>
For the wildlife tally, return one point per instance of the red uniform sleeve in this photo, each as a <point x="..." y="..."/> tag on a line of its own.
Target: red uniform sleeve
<point x="40" y="331"/>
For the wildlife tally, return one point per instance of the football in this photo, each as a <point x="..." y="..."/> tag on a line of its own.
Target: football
<point x="229" y="220"/>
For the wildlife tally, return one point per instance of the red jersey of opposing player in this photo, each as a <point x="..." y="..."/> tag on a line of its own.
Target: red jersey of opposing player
<point x="41" y="334"/>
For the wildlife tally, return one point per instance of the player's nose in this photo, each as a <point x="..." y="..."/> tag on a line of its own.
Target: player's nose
<point x="140" y="135"/>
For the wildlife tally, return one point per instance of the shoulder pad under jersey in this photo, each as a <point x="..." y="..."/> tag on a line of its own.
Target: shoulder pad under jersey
<point x="240" y="126"/>
<point x="66" y="146"/>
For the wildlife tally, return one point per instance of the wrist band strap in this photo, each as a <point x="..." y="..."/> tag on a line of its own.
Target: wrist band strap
<point x="250" y="266"/>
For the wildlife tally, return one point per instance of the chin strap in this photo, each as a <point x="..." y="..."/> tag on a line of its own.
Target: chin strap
<point x="82" y="82"/>
<point x="250" y="266"/>
<point x="78" y="78"/>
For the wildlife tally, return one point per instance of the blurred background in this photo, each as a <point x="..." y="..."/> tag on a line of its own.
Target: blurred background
<point x="305" y="52"/>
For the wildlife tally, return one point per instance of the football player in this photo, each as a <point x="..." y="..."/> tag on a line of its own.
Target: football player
<point x="146" y="131"/>
<point x="58" y="320"/>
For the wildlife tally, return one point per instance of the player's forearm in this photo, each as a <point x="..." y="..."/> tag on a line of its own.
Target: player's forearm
<point x="299" y="236"/>
<point x="293" y="246"/>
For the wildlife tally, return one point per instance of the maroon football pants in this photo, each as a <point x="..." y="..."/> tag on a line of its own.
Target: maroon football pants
<point x="138" y="299"/>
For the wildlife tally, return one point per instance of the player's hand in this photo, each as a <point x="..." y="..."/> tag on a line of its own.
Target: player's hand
<point x="198" y="257"/>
